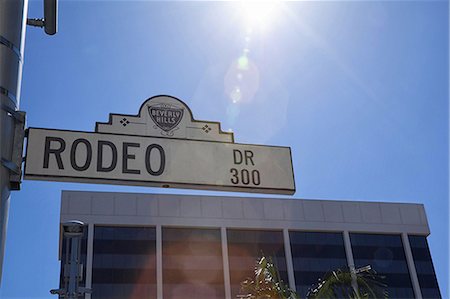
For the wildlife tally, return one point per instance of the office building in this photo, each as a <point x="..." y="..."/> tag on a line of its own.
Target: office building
<point x="186" y="246"/>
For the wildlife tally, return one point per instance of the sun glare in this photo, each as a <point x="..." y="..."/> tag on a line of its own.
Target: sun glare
<point x="259" y="14"/>
<point x="241" y="81"/>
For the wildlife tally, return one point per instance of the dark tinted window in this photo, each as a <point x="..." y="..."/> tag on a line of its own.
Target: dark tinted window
<point x="124" y="263"/>
<point x="246" y="246"/>
<point x="424" y="267"/>
<point x="385" y="254"/>
<point x="192" y="263"/>
<point x="313" y="255"/>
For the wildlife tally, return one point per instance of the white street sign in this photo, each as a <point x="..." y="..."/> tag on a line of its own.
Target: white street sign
<point x="209" y="159"/>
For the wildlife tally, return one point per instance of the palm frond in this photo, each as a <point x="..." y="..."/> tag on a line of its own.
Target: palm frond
<point x="267" y="283"/>
<point x="339" y="284"/>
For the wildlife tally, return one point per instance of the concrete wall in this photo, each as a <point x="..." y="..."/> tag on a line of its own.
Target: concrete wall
<point x="218" y="211"/>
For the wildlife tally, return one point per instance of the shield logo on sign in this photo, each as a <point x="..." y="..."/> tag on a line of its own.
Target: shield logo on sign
<point x="165" y="116"/>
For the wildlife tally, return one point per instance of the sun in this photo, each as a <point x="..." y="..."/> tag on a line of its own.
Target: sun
<point x="258" y="14"/>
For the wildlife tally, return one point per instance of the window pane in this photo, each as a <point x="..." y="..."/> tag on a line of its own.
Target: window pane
<point x="385" y="254"/>
<point x="424" y="267"/>
<point x="192" y="263"/>
<point x="246" y="246"/>
<point x="124" y="263"/>
<point x="313" y="255"/>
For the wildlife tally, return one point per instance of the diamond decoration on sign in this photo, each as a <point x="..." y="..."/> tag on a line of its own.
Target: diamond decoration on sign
<point x="124" y="122"/>
<point x="206" y="128"/>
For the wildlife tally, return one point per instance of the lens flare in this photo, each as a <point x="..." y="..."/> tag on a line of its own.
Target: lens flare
<point x="241" y="81"/>
<point x="243" y="62"/>
<point x="232" y="113"/>
<point x="236" y="95"/>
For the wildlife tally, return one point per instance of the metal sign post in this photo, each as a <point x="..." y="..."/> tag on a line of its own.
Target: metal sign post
<point x="13" y="16"/>
<point x="13" y="20"/>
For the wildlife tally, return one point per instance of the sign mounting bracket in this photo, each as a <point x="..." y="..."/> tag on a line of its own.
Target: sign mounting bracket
<point x="15" y="164"/>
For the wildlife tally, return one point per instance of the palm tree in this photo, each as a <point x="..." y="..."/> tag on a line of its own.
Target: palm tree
<point x="267" y="283"/>
<point x="362" y="283"/>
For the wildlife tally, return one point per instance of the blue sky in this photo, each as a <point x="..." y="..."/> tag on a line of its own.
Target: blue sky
<point x="358" y="90"/>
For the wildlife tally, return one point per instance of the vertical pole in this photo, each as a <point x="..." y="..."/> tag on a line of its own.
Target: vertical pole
<point x="411" y="266"/>
<point x="348" y="251"/>
<point x="74" y="266"/>
<point x="226" y="264"/>
<point x="89" y="258"/>
<point x="350" y="260"/>
<point x="159" y="271"/>
<point x="289" y="260"/>
<point x="13" y="15"/>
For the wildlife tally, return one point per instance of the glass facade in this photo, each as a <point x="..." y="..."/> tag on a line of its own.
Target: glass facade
<point x="192" y="263"/>
<point x="124" y="263"/>
<point x="424" y="267"/>
<point x="386" y="255"/>
<point x="313" y="255"/>
<point x="124" y="260"/>
<point x="244" y="248"/>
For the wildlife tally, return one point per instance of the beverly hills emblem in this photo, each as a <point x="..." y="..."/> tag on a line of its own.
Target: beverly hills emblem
<point x="165" y="116"/>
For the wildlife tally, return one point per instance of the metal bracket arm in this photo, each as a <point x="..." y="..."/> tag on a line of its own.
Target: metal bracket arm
<point x="36" y="22"/>
<point x="19" y="116"/>
<point x="10" y="165"/>
<point x="15" y="164"/>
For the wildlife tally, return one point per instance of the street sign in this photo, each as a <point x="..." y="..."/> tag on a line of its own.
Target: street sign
<point x="162" y="146"/>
